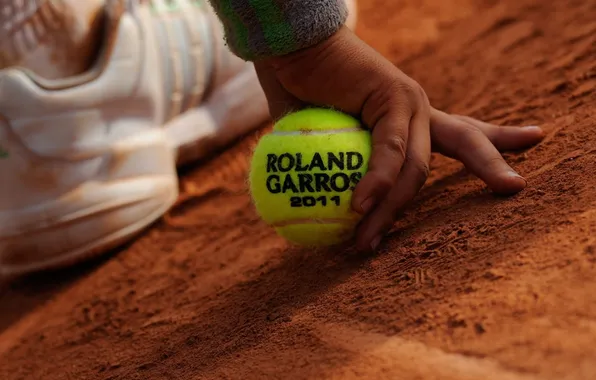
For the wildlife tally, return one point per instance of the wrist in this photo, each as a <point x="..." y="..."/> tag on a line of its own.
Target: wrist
<point x="329" y="49"/>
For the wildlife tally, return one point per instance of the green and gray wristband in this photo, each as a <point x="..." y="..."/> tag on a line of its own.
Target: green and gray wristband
<point x="257" y="29"/>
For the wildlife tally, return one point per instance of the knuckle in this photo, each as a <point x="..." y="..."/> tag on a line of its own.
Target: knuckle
<point x="412" y="91"/>
<point x="395" y="145"/>
<point x="466" y="129"/>
<point x="420" y="93"/>
<point x="406" y="89"/>
<point x="424" y="101"/>
<point x="467" y="133"/>
<point x="398" y="98"/>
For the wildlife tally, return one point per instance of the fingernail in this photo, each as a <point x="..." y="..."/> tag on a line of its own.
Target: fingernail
<point x="375" y="243"/>
<point x="516" y="175"/>
<point x="532" y="128"/>
<point x="367" y="205"/>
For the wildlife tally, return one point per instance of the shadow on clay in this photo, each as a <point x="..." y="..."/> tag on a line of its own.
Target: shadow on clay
<point x="247" y="314"/>
<point x="20" y="296"/>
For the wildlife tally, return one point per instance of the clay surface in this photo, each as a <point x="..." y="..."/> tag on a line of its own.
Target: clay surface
<point x="467" y="286"/>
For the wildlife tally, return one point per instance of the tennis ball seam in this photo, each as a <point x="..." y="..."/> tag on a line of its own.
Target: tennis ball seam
<point x="306" y="132"/>
<point x="291" y="222"/>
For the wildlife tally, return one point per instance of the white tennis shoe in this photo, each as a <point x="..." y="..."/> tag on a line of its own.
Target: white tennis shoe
<point x="87" y="162"/>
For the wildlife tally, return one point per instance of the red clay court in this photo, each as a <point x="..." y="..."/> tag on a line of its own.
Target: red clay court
<point x="467" y="286"/>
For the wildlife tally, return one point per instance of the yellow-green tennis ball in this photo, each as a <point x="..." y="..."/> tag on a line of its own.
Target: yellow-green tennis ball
<point x="303" y="174"/>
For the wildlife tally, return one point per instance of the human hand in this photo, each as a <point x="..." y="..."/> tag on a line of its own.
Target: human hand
<point x="477" y="145"/>
<point x="345" y="73"/>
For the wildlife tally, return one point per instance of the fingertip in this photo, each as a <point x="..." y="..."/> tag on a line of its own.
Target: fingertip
<point x="367" y="205"/>
<point x="363" y="247"/>
<point x="358" y="204"/>
<point x="372" y="230"/>
<point x="533" y="128"/>
<point x="517" y="179"/>
<point x="374" y="244"/>
<point x="361" y="200"/>
<point x="535" y="131"/>
<point x="363" y="236"/>
<point x="368" y="192"/>
<point x="510" y="183"/>
<point x="367" y="245"/>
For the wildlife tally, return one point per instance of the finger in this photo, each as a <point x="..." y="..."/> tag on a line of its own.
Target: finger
<point x="470" y="145"/>
<point x="410" y="181"/>
<point x="504" y="137"/>
<point x="389" y="146"/>
<point x="280" y="101"/>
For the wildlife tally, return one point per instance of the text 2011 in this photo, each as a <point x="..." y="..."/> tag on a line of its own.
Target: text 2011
<point x="312" y="201"/>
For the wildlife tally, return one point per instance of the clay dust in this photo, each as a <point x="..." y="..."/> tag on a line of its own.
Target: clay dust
<point x="466" y="286"/>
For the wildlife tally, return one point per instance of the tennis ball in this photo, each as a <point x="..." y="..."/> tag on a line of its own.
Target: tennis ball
<point x="303" y="174"/>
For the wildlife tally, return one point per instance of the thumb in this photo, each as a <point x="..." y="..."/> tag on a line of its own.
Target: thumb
<point x="280" y="101"/>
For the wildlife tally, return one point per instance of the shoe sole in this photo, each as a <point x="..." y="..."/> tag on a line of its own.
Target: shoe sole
<point x="96" y="216"/>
